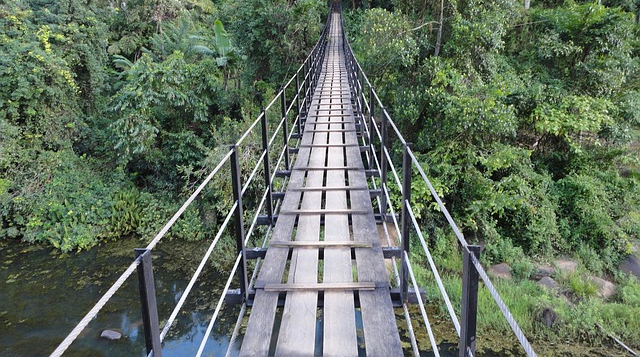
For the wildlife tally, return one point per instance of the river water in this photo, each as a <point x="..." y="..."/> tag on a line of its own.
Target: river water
<point x="45" y="293"/>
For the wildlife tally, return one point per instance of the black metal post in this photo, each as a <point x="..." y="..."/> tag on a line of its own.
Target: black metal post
<point x="299" y="122"/>
<point x="405" y="222"/>
<point x="469" y="302"/>
<point x="285" y="127"/>
<point x="383" y="164"/>
<point x="371" y="128"/>
<point x="148" y="303"/>
<point x="361" y="90"/>
<point x="267" y="167"/>
<point x="238" y="218"/>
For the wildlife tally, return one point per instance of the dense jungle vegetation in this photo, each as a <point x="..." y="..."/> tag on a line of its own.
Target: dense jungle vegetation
<point x="526" y="119"/>
<point x="110" y="111"/>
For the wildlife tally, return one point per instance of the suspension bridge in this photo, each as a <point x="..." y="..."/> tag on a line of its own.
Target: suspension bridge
<point x="328" y="279"/>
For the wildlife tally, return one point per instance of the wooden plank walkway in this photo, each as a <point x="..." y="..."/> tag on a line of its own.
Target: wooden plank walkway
<point x="319" y="186"/>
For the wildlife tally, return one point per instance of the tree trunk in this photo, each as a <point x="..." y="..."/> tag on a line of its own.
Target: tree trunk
<point x="441" y="25"/>
<point x="527" y="3"/>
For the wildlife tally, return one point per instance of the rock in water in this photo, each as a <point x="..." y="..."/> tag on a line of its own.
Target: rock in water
<point x="111" y="334"/>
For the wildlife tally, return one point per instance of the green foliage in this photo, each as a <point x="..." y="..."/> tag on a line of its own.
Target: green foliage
<point x="521" y="123"/>
<point x="630" y="292"/>
<point x="581" y="287"/>
<point x="110" y="111"/>
<point x="276" y="36"/>
<point x="385" y="43"/>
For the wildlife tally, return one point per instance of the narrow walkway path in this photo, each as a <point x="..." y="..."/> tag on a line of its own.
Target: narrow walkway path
<point x="325" y="257"/>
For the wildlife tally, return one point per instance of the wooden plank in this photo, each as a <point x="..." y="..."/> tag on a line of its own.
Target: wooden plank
<point x="378" y="318"/>
<point x="339" y="328"/>
<point x="332" y="188"/>
<point x="260" y="326"/>
<point x="303" y="211"/>
<point x="326" y="168"/>
<point x="322" y="287"/>
<point x="298" y="328"/>
<point x="321" y="244"/>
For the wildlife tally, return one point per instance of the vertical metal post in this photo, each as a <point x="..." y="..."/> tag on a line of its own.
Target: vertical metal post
<point x="285" y="127"/>
<point x="361" y="90"/>
<point x="469" y="302"/>
<point x="405" y="222"/>
<point x="148" y="303"/>
<point x="383" y="164"/>
<point x="267" y="167"/>
<point x="371" y="128"/>
<point x="304" y="85"/>
<point x="238" y="218"/>
<point x="299" y="122"/>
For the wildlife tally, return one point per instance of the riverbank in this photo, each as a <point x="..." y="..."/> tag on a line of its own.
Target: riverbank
<point x="562" y="321"/>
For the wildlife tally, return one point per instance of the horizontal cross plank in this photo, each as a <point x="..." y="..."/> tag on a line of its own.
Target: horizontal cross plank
<point x="319" y="286"/>
<point x="320" y="244"/>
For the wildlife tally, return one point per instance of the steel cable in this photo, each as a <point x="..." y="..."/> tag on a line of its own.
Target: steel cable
<point x="425" y="318"/>
<point x="197" y="273"/>
<point x="434" y="270"/>
<point x="503" y="307"/>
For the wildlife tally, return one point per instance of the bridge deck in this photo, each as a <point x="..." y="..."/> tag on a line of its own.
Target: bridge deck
<point x="310" y="325"/>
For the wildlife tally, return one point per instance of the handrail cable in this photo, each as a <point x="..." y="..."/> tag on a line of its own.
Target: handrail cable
<point x="425" y="318"/>
<point x="434" y="270"/>
<point x="196" y="275"/>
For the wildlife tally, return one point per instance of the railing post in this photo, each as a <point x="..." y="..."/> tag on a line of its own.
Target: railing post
<point x="267" y="167"/>
<point x="469" y="302"/>
<point x="285" y="127"/>
<point x="371" y="128"/>
<point x="238" y="218"/>
<point x="304" y="85"/>
<point x="148" y="303"/>
<point x="405" y="222"/>
<point x="361" y="90"/>
<point x="383" y="164"/>
<point x="299" y="122"/>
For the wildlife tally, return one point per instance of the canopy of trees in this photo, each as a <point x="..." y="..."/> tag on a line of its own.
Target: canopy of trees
<point x="110" y="110"/>
<point x="527" y="119"/>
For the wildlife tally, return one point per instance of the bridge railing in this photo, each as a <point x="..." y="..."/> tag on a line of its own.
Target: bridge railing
<point x="381" y="134"/>
<point x="289" y="106"/>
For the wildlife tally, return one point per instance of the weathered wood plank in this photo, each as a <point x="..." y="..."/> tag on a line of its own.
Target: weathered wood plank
<point x="325" y="286"/>
<point x="260" y="326"/>
<point x="340" y="334"/>
<point x="378" y="318"/>
<point x="297" y="330"/>
<point x="320" y="244"/>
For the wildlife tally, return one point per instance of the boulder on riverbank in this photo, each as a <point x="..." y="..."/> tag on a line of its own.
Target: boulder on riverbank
<point x="542" y="271"/>
<point x="566" y="266"/>
<point x="606" y="289"/>
<point x="501" y="271"/>
<point x="549" y="284"/>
